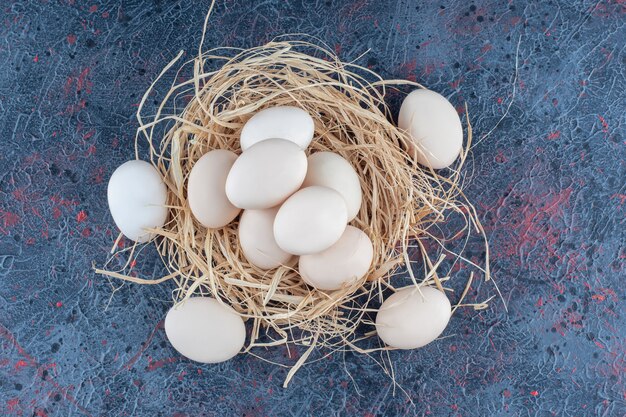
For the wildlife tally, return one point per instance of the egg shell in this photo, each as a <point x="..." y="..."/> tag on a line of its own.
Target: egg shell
<point x="256" y="238"/>
<point x="137" y="195"/>
<point x="206" y="189"/>
<point x="286" y="122"/>
<point x="310" y="221"/>
<point x="346" y="261"/>
<point x="266" y="174"/>
<point x="330" y="170"/>
<point x="435" y="127"/>
<point x="408" y="320"/>
<point x="203" y="330"/>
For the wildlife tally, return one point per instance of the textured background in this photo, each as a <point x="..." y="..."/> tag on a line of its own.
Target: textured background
<point x="549" y="184"/>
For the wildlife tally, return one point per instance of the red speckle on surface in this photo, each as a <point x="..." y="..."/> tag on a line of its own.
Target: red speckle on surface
<point x="500" y="157"/>
<point x="620" y="197"/>
<point x="20" y="364"/>
<point x="93" y="8"/>
<point x="408" y="69"/>
<point x="153" y="365"/>
<point x="19" y="195"/>
<point x="506" y="393"/>
<point x="36" y="58"/>
<point x="86" y="232"/>
<point x="79" y="82"/>
<point x="428" y="69"/>
<point x="605" y="124"/>
<point x="71" y="39"/>
<point x="81" y="216"/>
<point x="59" y="304"/>
<point x="534" y="393"/>
<point x="12" y="404"/>
<point x="105" y="15"/>
<point x="129" y="364"/>
<point x="554" y="135"/>
<point x="456" y="83"/>
<point x="8" y="220"/>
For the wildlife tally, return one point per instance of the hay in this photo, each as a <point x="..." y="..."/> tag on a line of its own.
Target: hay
<point x="402" y="201"/>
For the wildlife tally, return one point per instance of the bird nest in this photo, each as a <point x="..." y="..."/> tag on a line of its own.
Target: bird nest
<point x="403" y="202"/>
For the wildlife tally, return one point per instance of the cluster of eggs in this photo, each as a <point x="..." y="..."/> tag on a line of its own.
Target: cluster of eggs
<point x="288" y="205"/>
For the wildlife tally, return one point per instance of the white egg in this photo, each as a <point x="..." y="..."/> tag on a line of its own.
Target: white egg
<point x="206" y="189"/>
<point x="256" y="237"/>
<point x="204" y="330"/>
<point x="346" y="261"/>
<point x="310" y="221"/>
<point x="408" y="319"/>
<point x="287" y="122"/>
<point x="331" y="170"/>
<point x="435" y="127"/>
<point x="266" y="174"/>
<point x="137" y="196"/>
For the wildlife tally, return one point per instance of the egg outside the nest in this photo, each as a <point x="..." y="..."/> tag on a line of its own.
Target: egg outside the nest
<point x="136" y="196"/>
<point x="410" y="319"/>
<point x="204" y="330"/>
<point x="434" y="125"/>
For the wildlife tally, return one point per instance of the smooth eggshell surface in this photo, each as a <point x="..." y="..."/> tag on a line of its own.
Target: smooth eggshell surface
<point x="206" y="189"/>
<point x="137" y="196"/>
<point x="331" y="170"/>
<point x="256" y="237"/>
<point x="266" y="174"/>
<point x="286" y="122"/>
<point x="310" y="221"/>
<point x="204" y="330"/>
<point x="435" y="127"/>
<point x="408" y="320"/>
<point x="346" y="261"/>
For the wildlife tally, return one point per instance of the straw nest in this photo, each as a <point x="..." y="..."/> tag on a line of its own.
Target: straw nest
<point x="402" y="201"/>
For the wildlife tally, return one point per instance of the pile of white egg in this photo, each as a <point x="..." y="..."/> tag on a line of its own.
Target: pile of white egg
<point x="289" y="205"/>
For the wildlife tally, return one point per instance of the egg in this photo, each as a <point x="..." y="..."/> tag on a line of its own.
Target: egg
<point x="203" y="330"/>
<point x="310" y="221"/>
<point x="266" y="174"/>
<point x="137" y="196"/>
<point x="256" y="238"/>
<point x="346" y="261"/>
<point x="409" y="319"/>
<point x="435" y="127"/>
<point x="206" y="189"/>
<point x="331" y="170"/>
<point x="286" y="122"/>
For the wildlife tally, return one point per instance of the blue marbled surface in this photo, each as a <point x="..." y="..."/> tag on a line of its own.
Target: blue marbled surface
<point x="548" y="182"/>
